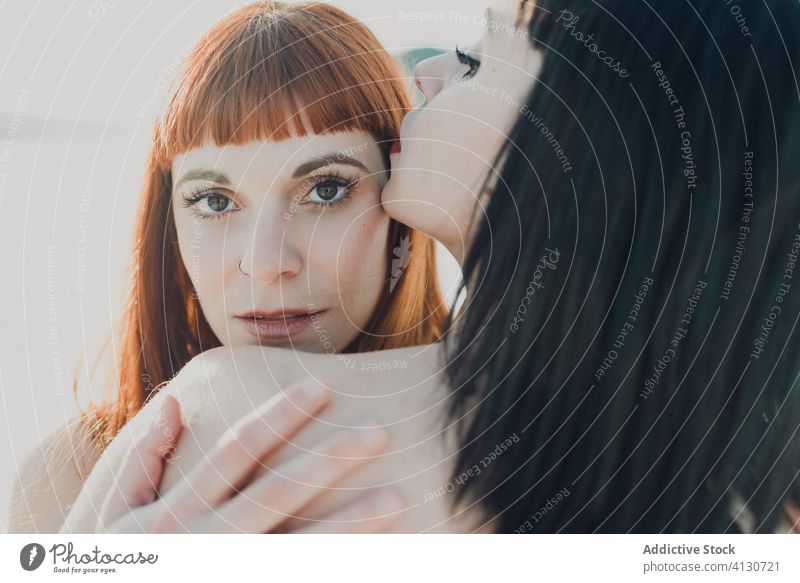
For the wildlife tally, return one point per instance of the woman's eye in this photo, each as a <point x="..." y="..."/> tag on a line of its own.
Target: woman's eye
<point x="470" y="62"/>
<point x="209" y="204"/>
<point x="217" y="202"/>
<point x="329" y="192"/>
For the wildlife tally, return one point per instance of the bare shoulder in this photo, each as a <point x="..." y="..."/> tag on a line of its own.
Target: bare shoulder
<point x="50" y="478"/>
<point x="225" y="382"/>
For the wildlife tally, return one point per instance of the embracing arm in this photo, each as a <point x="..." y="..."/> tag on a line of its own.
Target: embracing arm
<point x="401" y="390"/>
<point x="398" y="390"/>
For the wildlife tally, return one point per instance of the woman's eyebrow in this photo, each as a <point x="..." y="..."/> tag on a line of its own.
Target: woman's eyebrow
<point x="327" y="160"/>
<point x="207" y="175"/>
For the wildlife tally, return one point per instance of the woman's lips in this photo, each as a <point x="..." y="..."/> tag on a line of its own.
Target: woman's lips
<point x="395" y="147"/>
<point x="279" y="327"/>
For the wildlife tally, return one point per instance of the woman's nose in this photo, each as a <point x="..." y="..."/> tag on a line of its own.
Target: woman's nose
<point x="269" y="253"/>
<point x="429" y="75"/>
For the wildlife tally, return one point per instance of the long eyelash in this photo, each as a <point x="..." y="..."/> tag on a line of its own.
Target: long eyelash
<point x="347" y="182"/>
<point x="191" y="198"/>
<point x="471" y="62"/>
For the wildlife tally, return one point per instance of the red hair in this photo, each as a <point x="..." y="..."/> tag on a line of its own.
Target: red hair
<point x="267" y="71"/>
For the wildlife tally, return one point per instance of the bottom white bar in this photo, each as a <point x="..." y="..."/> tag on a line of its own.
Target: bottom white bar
<point x="401" y="558"/>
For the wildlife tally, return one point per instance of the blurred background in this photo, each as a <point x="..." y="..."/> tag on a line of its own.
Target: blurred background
<point x="80" y="85"/>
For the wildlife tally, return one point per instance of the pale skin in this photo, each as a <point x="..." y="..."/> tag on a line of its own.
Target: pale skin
<point x="410" y="460"/>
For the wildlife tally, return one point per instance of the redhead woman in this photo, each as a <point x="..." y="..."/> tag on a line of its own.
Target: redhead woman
<point x="607" y="372"/>
<point x="260" y="223"/>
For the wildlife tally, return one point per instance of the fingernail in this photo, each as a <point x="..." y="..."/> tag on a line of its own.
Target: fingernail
<point x="311" y="389"/>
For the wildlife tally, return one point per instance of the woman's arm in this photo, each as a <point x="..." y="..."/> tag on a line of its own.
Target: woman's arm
<point x="213" y="497"/>
<point x="399" y="390"/>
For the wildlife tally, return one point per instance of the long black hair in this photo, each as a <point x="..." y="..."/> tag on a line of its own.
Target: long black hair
<point x="628" y="356"/>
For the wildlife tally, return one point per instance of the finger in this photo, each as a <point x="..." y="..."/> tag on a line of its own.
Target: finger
<point x="374" y="513"/>
<point x="282" y="493"/>
<point x="143" y="465"/>
<point x="240" y="450"/>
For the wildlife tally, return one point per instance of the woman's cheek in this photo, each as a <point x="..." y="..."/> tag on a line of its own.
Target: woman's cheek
<point x="202" y="257"/>
<point x="365" y="263"/>
<point x="362" y="254"/>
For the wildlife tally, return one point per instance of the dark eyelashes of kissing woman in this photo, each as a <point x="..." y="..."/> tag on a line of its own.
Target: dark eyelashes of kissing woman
<point x="469" y="61"/>
<point x="325" y="192"/>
